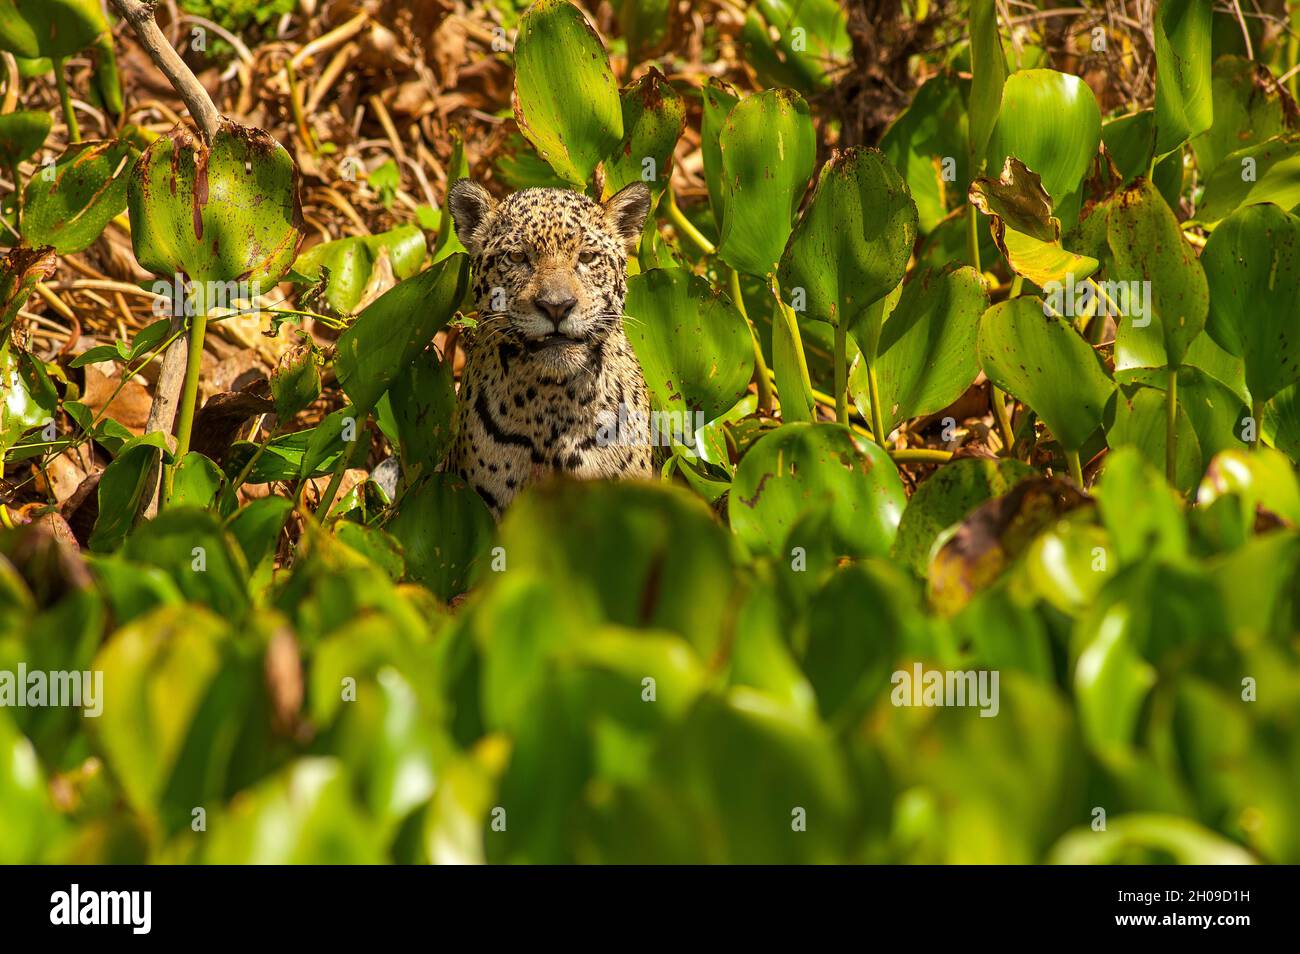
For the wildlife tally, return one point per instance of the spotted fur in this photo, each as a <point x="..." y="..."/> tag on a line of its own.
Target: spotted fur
<point x="548" y="368"/>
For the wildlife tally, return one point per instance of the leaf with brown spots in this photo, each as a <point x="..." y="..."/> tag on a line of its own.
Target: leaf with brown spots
<point x="993" y="535"/>
<point x="225" y="213"/>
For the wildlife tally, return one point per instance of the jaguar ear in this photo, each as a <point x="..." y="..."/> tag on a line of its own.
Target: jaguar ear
<point x="470" y="206"/>
<point x="625" y="211"/>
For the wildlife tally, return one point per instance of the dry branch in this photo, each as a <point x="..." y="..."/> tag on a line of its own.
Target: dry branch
<point x="204" y="112"/>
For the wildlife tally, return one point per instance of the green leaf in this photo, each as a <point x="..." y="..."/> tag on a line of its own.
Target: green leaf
<point x="295" y="382"/>
<point x="1258" y="479"/>
<point x="98" y="354"/>
<point x="21" y="134"/>
<point x="331" y="439"/>
<point x="1142" y="514"/>
<point x="225" y="213"/>
<point x="106" y="81"/>
<point x="1009" y="784"/>
<point x="29" y="824"/>
<point x="192" y="546"/>
<point x="927" y="347"/>
<point x="1051" y="123"/>
<point x="527" y="631"/>
<point x="1044" y="362"/>
<point x="350" y="262"/>
<point x="1248" y="109"/>
<point x="693" y="345"/>
<point x="1147" y="245"/>
<point x="763" y="659"/>
<point x="312" y="452"/>
<point x="797" y="43"/>
<point x="148" y="337"/>
<point x="645" y="24"/>
<point x="789" y="366"/>
<point x="802" y="467"/>
<point x="1206" y="355"/>
<point x="646" y="555"/>
<point x="1252" y="264"/>
<point x="1281" y="424"/>
<point x="719" y="780"/>
<point x="1111" y="679"/>
<point x="1042" y="262"/>
<point x="447" y="242"/>
<point x="122" y="489"/>
<point x="1184" y="100"/>
<point x="49" y="28"/>
<point x="459" y="811"/>
<point x="22" y="269"/>
<point x="108" y="433"/>
<point x="1148" y="838"/>
<point x="1003" y="633"/>
<point x="445" y="530"/>
<point x="1067" y="565"/>
<point x="695" y="473"/>
<point x="396" y="327"/>
<point x="1216" y="413"/>
<point x="385" y="179"/>
<point x="380" y="548"/>
<point x="768" y="148"/>
<point x="1131" y="143"/>
<point x="131" y="589"/>
<point x="29" y="400"/>
<point x="988" y="74"/>
<point x="851" y="246"/>
<point x="256" y="527"/>
<point x="926" y="142"/>
<point x="566" y="98"/>
<point x="159" y="669"/>
<point x="1257" y="584"/>
<point x="719" y="98"/>
<point x="423" y="401"/>
<point x="397" y="752"/>
<point x="847" y="664"/>
<point x="1267" y="172"/>
<point x="949" y="242"/>
<point x="947" y="497"/>
<point x="196" y="482"/>
<point x="309" y="805"/>
<point x="654" y="115"/>
<point x="521" y="168"/>
<point x="88" y="189"/>
<point x="1141" y="421"/>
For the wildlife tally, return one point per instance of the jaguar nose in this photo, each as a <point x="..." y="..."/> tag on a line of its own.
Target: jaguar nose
<point x="557" y="307"/>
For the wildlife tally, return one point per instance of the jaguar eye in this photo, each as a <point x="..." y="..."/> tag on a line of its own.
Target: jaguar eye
<point x="586" y="257"/>
<point x="518" y="257"/>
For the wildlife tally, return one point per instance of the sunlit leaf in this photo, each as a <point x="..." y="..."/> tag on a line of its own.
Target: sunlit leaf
<point x="768" y="149"/>
<point x="853" y="241"/>
<point x="228" y="212"/>
<point x="1184" y="101"/>
<point x="803" y="467"/>
<point x="1252" y="265"/>
<point x="694" y="346"/>
<point x="566" y="99"/>
<point x="1044" y="362"/>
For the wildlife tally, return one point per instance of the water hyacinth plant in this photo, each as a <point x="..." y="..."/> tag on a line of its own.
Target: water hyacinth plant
<point x="974" y="528"/>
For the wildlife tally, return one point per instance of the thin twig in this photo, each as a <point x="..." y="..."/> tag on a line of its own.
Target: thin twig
<point x="196" y="98"/>
<point x="330" y="40"/>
